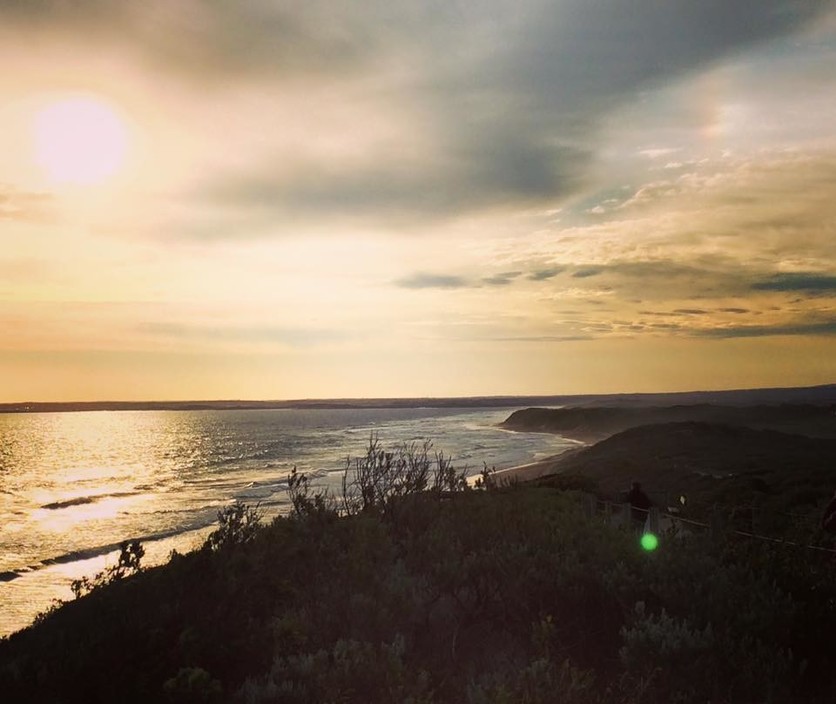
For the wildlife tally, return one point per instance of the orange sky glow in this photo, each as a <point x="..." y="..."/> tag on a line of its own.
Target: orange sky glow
<point x="287" y="200"/>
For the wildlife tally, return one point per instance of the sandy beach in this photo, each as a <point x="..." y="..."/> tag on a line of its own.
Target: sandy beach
<point x="534" y="470"/>
<point x="524" y="472"/>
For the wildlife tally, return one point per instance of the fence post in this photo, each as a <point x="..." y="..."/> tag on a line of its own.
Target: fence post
<point x="653" y="523"/>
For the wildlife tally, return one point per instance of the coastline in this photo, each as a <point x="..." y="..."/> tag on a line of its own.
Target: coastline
<point x="534" y="470"/>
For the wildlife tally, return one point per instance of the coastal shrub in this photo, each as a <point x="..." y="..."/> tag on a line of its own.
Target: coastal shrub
<point x="238" y="523"/>
<point x="53" y="607"/>
<point x="378" y="480"/>
<point x="129" y="562"/>
<point x="306" y="504"/>
<point x="542" y="681"/>
<point x="351" y="671"/>
<point x="668" y="651"/>
<point x="193" y="685"/>
<point x="767" y="645"/>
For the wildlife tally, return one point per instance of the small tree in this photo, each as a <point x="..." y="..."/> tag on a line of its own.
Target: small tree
<point x="130" y="562"/>
<point x="238" y="523"/>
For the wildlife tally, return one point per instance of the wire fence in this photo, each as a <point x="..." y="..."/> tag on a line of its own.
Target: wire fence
<point x="715" y="525"/>
<point x="667" y="498"/>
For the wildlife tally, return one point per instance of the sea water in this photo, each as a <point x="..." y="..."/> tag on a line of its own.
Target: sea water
<point x="74" y="485"/>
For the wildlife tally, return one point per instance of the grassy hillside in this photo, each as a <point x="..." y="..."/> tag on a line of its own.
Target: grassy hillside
<point x="690" y="455"/>
<point x="758" y="480"/>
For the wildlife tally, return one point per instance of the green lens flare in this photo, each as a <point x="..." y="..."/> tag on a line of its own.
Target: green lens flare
<point x="650" y="542"/>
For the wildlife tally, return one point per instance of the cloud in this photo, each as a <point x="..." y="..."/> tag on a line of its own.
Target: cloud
<point x="731" y="232"/>
<point x="689" y="275"/>
<point x="587" y="271"/>
<point x="237" y="334"/>
<point x="23" y="205"/>
<point x="816" y="329"/>
<point x="545" y="274"/>
<point x="469" y="175"/>
<point x="641" y="39"/>
<point x="506" y="97"/>
<point x="540" y="338"/>
<point x="502" y="279"/>
<point x="424" y="280"/>
<point x="799" y="281"/>
<point x="209" y="40"/>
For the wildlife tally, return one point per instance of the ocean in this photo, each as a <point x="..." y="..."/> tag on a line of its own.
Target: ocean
<point x="74" y="485"/>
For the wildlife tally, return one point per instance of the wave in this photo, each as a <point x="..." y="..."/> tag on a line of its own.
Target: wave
<point x="279" y="450"/>
<point x="243" y="486"/>
<point x="99" y="550"/>
<point x="81" y="500"/>
<point x="162" y="484"/>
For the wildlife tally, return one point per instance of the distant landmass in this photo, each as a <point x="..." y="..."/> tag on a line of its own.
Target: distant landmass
<point x="813" y="395"/>
<point x="591" y="423"/>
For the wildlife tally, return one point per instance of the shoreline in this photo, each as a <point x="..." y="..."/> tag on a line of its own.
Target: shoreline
<point x="535" y="470"/>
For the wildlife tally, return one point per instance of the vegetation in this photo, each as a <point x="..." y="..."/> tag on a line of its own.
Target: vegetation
<point x="237" y="524"/>
<point x="412" y="588"/>
<point x="131" y="553"/>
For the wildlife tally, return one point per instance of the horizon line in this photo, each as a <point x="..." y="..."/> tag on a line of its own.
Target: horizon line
<point x="7" y="406"/>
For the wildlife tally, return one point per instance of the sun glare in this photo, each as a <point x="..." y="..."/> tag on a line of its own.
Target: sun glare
<point x="79" y="141"/>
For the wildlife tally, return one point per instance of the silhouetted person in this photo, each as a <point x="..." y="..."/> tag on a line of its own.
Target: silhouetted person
<point x="828" y="519"/>
<point x="640" y="504"/>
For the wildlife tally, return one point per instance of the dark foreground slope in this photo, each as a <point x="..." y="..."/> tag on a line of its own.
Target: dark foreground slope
<point x="592" y="423"/>
<point x="481" y="597"/>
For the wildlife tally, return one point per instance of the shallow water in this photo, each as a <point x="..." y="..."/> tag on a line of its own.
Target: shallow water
<point x="73" y="485"/>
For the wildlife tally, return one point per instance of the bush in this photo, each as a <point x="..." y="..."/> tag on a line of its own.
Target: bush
<point x="131" y="553"/>
<point x="238" y="524"/>
<point x="351" y="671"/>
<point x="305" y="504"/>
<point x="378" y="480"/>
<point x="669" y="652"/>
<point x="192" y="685"/>
<point x="542" y="681"/>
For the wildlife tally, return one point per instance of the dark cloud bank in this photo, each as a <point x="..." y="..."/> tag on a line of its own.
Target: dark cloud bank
<point x="513" y="90"/>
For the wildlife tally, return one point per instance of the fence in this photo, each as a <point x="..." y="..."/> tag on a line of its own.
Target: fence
<point x="621" y="514"/>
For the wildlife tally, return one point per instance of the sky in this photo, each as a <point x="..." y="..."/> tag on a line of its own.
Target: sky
<point x="205" y="199"/>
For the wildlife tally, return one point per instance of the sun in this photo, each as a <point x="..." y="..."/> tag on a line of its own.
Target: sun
<point x="79" y="140"/>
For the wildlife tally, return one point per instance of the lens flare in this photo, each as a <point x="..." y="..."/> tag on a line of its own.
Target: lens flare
<point x="649" y="542"/>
